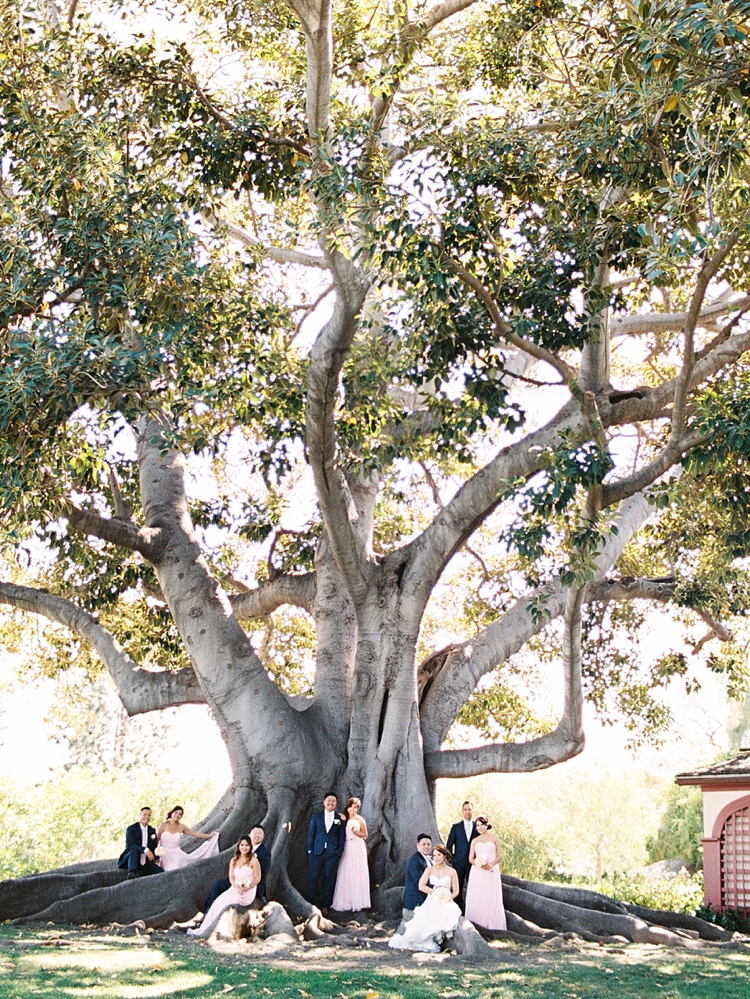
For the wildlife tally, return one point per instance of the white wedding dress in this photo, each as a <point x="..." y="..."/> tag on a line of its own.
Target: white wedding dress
<point x="432" y="920"/>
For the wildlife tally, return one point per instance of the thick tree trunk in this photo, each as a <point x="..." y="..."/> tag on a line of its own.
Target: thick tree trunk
<point x="360" y="733"/>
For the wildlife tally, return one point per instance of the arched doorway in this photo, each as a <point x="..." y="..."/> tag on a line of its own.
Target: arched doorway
<point x="733" y="829"/>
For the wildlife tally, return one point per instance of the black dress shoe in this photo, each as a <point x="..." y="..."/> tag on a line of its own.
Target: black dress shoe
<point x="132" y="875"/>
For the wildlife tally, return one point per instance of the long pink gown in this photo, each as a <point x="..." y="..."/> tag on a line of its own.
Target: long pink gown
<point x="230" y="897"/>
<point x="484" y="892"/>
<point x="353" y="878"/>
<point x="175" y="857"/>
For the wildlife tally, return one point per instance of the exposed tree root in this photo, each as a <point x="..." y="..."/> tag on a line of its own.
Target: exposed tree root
<point x="523" y="928"/>
<point x="33" y="894"/>
<point x="583" y="897"/>
<point x="468" y="942"/>
<point x="99" y="893"/>
<point x="597" y="917"/>
<point x="680" y="920"/>
<point x="591" y="924"/>
<point x="158" y="900"/>
<point x="317" y="925"/>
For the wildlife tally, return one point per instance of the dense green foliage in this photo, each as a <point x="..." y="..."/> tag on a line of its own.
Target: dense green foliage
<point x="729" y="919"/>
<point x="675" y="893"/>
<point x="681" y="831"/>
<point x="534" y="144"/>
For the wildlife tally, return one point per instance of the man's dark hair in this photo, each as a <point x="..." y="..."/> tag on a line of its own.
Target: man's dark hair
<point x="146" y="808"/>
<point x="258" y="826"/>
<point x="331" y="794"/>
<point x="424" y="836"/>
<point x="467" y="803"/>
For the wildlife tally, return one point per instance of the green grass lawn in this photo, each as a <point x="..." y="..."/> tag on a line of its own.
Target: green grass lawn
<point x="43" y="963"/>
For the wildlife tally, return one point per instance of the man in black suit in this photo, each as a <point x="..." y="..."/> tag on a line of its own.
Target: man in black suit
<point x="256" y="836"/>
<point x="416" y="865"/>
<point x="140" y="843"/>
<point x="459" y="839"/>
<point x="325" y="844"/>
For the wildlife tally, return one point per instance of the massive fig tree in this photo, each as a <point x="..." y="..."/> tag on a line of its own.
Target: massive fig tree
<point x="466" y="281"/>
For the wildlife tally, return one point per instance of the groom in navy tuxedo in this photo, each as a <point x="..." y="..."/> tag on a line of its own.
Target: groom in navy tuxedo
<point x="416" y="865"/>
<point x="459" y="840"/>
<point x="325" y="844"/>
<point x="140" y="843"/>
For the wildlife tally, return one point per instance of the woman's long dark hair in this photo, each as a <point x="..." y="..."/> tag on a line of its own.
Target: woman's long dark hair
<point x="238" y="856"/>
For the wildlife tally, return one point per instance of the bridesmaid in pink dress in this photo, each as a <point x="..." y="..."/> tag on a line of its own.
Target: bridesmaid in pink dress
<point x="244" y="875"/>
<point x="484" y="891"/>
<point x="170" y="834"/>
<point x="353" y="879"/>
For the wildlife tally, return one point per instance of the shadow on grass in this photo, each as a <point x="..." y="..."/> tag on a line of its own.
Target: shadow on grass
<point x="68" y="963"/>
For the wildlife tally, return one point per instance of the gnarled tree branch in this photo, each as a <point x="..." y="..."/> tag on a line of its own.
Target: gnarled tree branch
<point x="299" y="591"/>
<point x="552" y="748"/>
<point x="682" y="382"/>
<point x="595" y="357"/>
<point x="279" y="254"/>
<point x="428" y="554"/>
<point x="315" y="16"/>
<point x="326" y="360"/>
<point x="566" y="741"/>
<point x="139" y="690"/>
<point x="441" y="12"/>
<point x="647" y="403"/>
<point x="149" y="541"/>
<point x="122" y="510"/>
<point x="467" y="663"/>
<point x="615" y="492"/>
<point x="234" y="681"/>
<point x="567" y="373"/>
<point x="606" y="591"/>
<point x="412" y="36"/>
<point x="659" y="591"/>
<point x="672" y="322"/>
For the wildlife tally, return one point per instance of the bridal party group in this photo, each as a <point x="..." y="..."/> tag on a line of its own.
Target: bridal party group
<point x="441" y="881"/>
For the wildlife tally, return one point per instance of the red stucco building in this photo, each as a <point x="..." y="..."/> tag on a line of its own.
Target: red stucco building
<point x="726" y="831"/>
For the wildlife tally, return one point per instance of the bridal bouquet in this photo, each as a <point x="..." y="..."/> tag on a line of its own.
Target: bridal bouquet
<point x="244" y="883"/>
<point x="442" y="895"/>
<point x="160" y="851"/>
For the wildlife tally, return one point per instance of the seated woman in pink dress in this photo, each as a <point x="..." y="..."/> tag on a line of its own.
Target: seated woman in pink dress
<point x="352" y="891"/>
<point x="168" y="837"/>
<point x="484" y="890"/>
<point x="244" y="875"/>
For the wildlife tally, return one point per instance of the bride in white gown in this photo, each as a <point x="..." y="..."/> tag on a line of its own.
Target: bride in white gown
<point x="169" y="834"/>
<point x="438" y="915"/>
